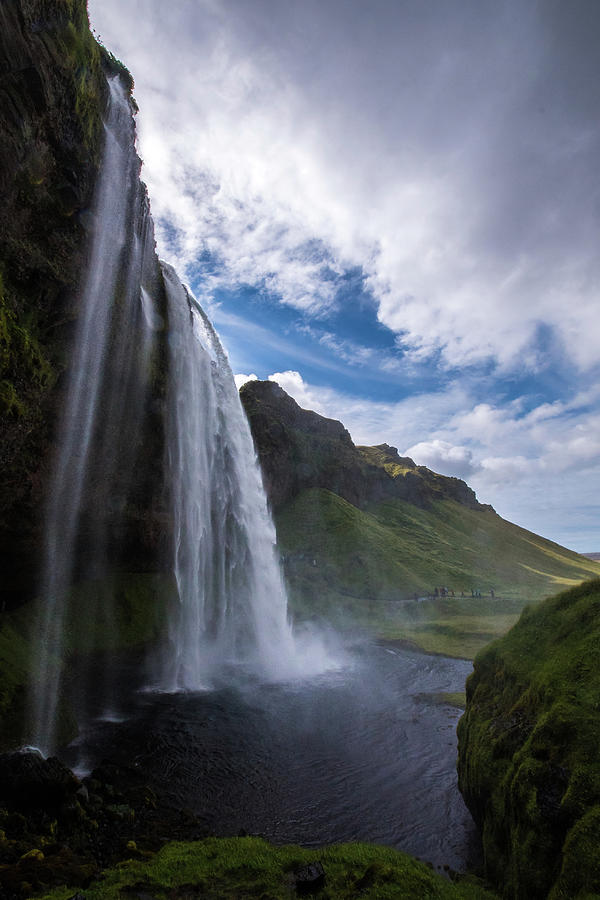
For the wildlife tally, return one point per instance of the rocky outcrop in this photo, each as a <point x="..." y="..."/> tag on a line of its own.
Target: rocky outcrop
<point x="299" y="449"/>
<point x="528" y="750"/>
<point x="56" y="829"/>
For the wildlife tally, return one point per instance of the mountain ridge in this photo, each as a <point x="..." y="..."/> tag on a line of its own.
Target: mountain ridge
<point x="299" y="449"/>
<point x="368" y="537"/>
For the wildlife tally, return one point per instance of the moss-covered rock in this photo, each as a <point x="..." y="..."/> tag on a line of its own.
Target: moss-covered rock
<point x="528" y="764"/>
<point x="52" y="96"/>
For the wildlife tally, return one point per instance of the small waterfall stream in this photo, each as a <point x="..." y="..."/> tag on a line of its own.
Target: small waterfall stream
<point x="103" y="407"/>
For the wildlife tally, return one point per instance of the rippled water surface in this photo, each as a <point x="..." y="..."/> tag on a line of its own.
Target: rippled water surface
<point x="364" y="753"/>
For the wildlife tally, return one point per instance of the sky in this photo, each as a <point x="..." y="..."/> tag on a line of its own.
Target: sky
<point x="392" y="208"/>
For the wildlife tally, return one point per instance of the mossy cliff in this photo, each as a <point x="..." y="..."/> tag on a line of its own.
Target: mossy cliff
<point x="528" y="764"/>
<point x="54" y="96"/>
<point x="361" y="528"/>
<point x="53" y="92"/>
<point x="249" y="867"/>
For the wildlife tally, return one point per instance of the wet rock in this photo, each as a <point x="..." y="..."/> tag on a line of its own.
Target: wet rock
<point x="82" y="794"/>
<point x="310" y="879"/>
<point x="29" y="780"/>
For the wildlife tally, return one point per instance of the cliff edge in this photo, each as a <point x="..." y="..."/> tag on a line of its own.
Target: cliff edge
<point x="528" y="761"/>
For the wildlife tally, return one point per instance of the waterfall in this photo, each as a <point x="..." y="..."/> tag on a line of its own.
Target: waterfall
<point x="99" y="430"/>
<point x="231" y="603"/>
<point x="232" y="600"/>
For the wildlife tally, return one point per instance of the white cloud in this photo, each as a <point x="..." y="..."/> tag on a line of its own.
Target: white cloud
<point x="470" y="203"/>
<point x="443" y="457"/>
<point x="244" y="379"/>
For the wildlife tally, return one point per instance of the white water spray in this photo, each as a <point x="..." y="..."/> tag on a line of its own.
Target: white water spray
<point x="233" y="604"/>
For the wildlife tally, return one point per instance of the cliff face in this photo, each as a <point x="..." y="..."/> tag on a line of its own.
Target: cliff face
<point x="299" y="449"/>
<point x="54" y="99"/>
<point x="53" y="96"/>
<point x="528" y="750"/>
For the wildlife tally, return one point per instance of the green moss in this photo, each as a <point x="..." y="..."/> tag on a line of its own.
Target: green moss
<point x="25" y="370"/>
<point x="249" y="867"/>
<point x="83" y="57"/>
<point x="580" y="871"/>
<point x="528" y="749"/>
<point x="14" y="669"/>
<point x="128" y="610"/>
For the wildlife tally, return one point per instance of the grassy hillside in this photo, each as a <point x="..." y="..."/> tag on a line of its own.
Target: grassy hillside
<point x="365" y="566"/>
<point x="528" y="750"/>
<point x="247" y="867"/>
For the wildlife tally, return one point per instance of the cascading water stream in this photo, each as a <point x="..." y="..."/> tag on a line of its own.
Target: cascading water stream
<point x="94" y="455"/>
<point x="233" y="604"/>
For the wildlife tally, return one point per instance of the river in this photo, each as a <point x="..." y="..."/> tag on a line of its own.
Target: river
<point x="363" y="753"/>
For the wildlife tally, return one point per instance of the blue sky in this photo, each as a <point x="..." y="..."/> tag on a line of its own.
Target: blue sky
<point x="393" y="209"/>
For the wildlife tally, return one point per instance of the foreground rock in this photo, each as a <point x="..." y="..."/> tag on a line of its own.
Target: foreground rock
<point x="56" y="829"/>
<point x="529" y="767"/>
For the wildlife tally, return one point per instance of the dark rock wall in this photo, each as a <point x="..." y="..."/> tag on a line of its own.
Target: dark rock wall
<point x="53" y="95"/>
<point x="300" y="449"/>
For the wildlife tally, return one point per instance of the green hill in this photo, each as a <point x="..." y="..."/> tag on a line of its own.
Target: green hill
<point x="367" y="537"/>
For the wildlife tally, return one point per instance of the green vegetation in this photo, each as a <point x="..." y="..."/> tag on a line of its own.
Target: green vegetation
<point x="128" y="610"/>
<point x="14" y="666"/>
<point x="364" y="566"/>
<point x="377" y="456"/>
<point x="83" y="58"/>
<point x="21" y="357"/>
<point x="529" y="767"/>
<point x="237" y="868"/>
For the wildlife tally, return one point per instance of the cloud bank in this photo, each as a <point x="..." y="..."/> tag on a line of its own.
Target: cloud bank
<point x="449" y="150"/>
